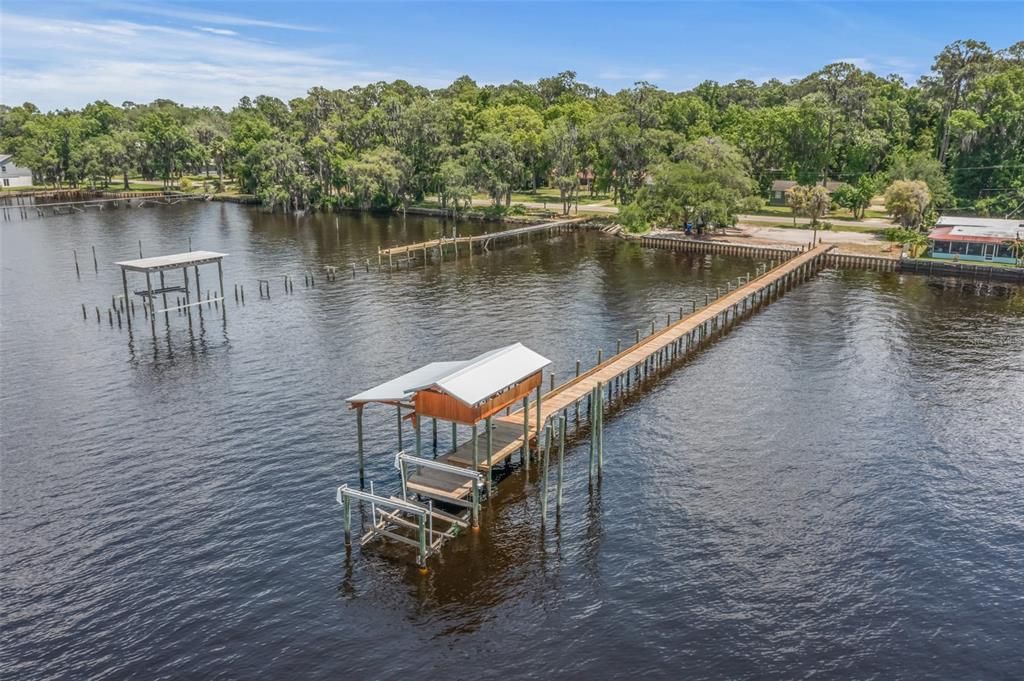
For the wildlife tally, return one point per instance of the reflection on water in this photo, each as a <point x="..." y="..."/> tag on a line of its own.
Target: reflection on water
<point x="832" y="488"/>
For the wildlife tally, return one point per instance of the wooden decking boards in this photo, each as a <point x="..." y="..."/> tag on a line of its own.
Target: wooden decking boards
<point x="507" y="434"/>
<point x="467" y="244"/>
<point x="456" y="478"/>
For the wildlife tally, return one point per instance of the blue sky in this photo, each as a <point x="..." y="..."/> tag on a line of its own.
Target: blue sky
<point x="60" y="54"/>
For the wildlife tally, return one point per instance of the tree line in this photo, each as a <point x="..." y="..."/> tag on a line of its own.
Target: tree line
<point x="700" y="154"/>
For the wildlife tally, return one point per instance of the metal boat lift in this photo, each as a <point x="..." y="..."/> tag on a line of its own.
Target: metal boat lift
<point x="394" y="518"/>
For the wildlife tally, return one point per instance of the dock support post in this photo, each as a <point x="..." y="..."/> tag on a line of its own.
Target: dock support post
<point x="346" y="503"/>
<point x="433" y="428"/>
<point x="359" y="442"/>
<point x="476" y="503"/>
<point x="561" y="460"/>
<point x="163" y="285"/>
<point x="220" y="278"/>
<point x="476" y="450"/>
<point x="398" y="412"/>
<point x="419" y="436"/>
<point x="455" y="436"/>
<point x="124" y="282"/>
<point x="149" y="303"/>
<point x="422" y="529"/>
<point x="490" y="453"/>
<point x="546" y="464"/>
<point x="600" y="430"/>
<point x="593" y="431"/>
<point x="540" y="389"/>
<point x="526" y="434"/>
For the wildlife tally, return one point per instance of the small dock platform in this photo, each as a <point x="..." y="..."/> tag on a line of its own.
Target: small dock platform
<point x="481" y="243"/>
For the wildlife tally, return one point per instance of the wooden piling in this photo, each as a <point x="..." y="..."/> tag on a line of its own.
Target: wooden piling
<point x="561" y="461"/>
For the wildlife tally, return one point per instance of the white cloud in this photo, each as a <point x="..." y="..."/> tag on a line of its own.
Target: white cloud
<point x="216" y="31"/>
<point x="58" y="63"/>
<point x="201" y="17"/>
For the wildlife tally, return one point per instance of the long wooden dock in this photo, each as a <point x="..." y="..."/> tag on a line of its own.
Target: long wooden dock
<point x="517" y="431"/>
<point x="454" y="246"/>
<point x="432" y="487"/>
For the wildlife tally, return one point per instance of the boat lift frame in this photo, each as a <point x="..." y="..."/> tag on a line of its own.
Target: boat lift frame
<point x="386" y="512"/>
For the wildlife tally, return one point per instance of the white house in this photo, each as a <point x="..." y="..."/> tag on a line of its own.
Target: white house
<point x="13" y="175"/>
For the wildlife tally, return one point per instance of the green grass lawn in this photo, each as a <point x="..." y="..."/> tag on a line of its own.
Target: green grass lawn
<point x="840" y="214"/>
<point x="548" y="195"/>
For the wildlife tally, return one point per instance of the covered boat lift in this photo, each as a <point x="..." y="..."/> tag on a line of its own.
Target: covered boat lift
<point x="160" y="265"/>
<point x="468" y="393"/>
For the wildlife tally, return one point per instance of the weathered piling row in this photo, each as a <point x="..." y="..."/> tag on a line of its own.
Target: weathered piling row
<point x="440" y="248"/>
<point x="611" y="380"/>
<point x="66" y="202"/>
<point x="672" y="243"/>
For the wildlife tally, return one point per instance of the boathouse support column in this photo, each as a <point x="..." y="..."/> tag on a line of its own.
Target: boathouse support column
<point x="127" y="308"/>
<point x="540" y="389"/>
<point x="220" y="278"/>
<point x="398" y="415"/>
<point x="163" y="294"/>
<point x="149" y="303"/>
<point x="526" y="434"/>
<point x="476" y="450"/>
<point x="419" y="436"/>
<point x="490" y="453"/>
<point x="359" y="442"/>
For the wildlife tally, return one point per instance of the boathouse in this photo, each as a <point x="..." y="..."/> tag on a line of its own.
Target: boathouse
<point x="974" y="239"/>
<point x="467" y="393"/>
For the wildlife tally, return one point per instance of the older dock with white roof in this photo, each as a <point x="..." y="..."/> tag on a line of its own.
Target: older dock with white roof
<point x="161" y="264"/>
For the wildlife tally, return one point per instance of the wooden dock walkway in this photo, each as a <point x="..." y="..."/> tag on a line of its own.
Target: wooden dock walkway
<point x="448" y="488"/>
<point x="467" y="244"/>
<point x="618" y="374"/>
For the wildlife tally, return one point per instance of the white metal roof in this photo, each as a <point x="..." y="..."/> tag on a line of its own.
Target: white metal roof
<point x="469" y="381"/>
<point x="401" y="388"/>
<point x="990" y="227"/>
<point x="166" y="262"/>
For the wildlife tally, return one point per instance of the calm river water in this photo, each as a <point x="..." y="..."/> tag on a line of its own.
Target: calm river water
<point x="835" y="489"/>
